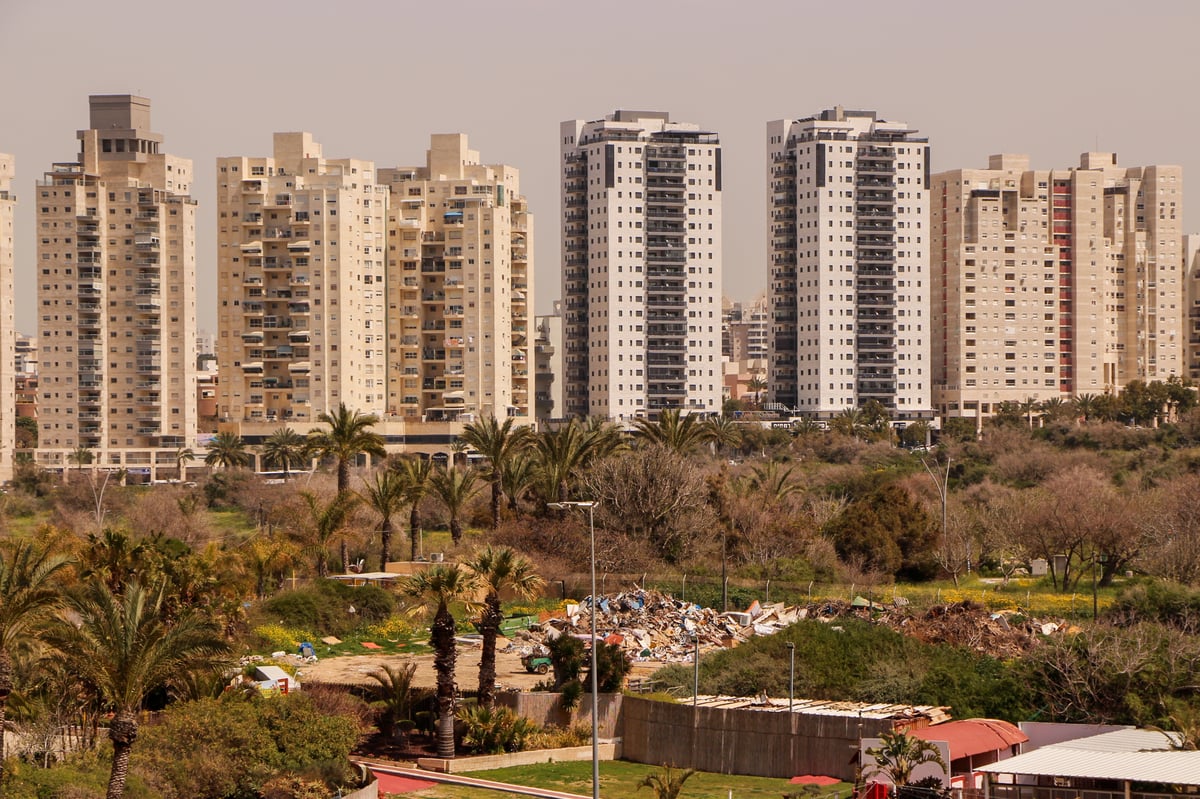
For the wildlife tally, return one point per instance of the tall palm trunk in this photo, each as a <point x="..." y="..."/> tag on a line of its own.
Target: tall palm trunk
<point x="414" y="525"/>
<point x="442" y="640"/>
<point x="489" y="627"/>
<point x="122" y="733"/>
<point x="497" y="495"/>
<point x="6" y="683"/>
<point x="456" y="529"/>
<point x="343" y="475"/>
<point x="345" y="552"/>
<point x="385" y="543"/>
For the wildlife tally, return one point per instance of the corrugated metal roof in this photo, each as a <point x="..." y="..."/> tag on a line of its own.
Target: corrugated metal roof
<point x="823" y="707"/>
<point x="1137" y="755"/>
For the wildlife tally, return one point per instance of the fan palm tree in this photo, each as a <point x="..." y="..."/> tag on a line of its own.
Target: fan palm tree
<point x="228" y="451"/>
<point x="498" y="569"/>
<point x="385" y="494"/>
<point x="328" y="522"/>
<point x="28" y="595"/>
<point x="284" y="449"/>
<point x="850" y="422"/>
<point x="898" y="754"/>
<point x="454" y="487"/>
<point x="120" y="645"/>
<point x="417" y="473"/>
<point x="674" y="430"/>
<point x="667" y="783"/>
<point x="183" y="456"/>
<point x="349" y="435"/>
<point x="439" y="587"/>
<point x="500" y="444"/>
<point x="756" y="384"/>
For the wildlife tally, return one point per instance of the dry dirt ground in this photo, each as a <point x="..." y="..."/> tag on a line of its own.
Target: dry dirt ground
<point x="355" y="669"/>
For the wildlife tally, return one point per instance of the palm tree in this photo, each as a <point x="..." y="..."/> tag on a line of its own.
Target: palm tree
<point x="349" y="435"/>
<point x="228" y="451"/>
<point x="183" y="456"/>
<point x="395" y="691"/>
<point x="667" y="783"/>
<point x="519" y="477"/>
<point x="562" y="454"/>
<point x="120" y="645"/>
<point x="756" y="384"/>
<point x="417" y="472"/>
<point x="1029" y="406"/>
<point x="267" y="556"/>
<point x="386" y="494"/>
<point x="498" y="569"/>
<point x="772" y="481"/>
<point x="328" y="522"/>
<point x="849" y="422"/>
<point x="674" y="430"/>
<point x="284" y="448"/>
<point x="454" y="488"/>
<point x="721" y="432"/>
<point x="1085" y="405"/>
<point x="439" y="587"/>
<point x="28" y="595"/>
<point x="80" y="456"/>
<point x="500" y="444"/>
<point x="898" y="754"/>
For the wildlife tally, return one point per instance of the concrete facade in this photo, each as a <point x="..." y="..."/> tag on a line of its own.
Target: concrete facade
<point x="848" y="202"/>
<point x="549" y="397"/>
<point x="1054" y="283"/>
<point x="1191" y="266"/>
<point x="641" y="223"/>
<point x="301" y="287"/>
<point x="459" y="287"/>
<point x="116" y="276"/>
<point x="8" y="359"/>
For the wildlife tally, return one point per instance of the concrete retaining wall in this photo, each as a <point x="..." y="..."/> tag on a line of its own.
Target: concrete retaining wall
<point x="743" y="741"/>
<point x="459" y="765"/>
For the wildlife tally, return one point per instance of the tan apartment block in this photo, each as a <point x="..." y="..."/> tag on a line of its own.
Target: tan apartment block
<point x="116" y="291"/>
<point x="1191" y="266"/>
<point x="8" y="204"/>
<point x="301" y="287"/>
<point x="1053" y="283"/>
<point x="459" y="287"/>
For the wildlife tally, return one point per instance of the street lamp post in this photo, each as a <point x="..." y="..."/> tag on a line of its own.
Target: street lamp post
<point x="695" y="669"/>
<point x="590" y="505"/>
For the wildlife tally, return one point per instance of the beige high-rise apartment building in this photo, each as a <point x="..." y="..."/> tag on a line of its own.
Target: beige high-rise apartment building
<point x="459" y="287"/>
<point x="301" y="288"/>
<point x="1054" y="283"/>
<point x="116" y="291"/>
<point x="848" y="196"/>
<point x="8" y="204"/>
<point x="641" y="201"/>
<point x="1191" y="267"/>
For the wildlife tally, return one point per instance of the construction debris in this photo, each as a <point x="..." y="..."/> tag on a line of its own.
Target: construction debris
<point x="649" y="625"/>
<point x="653" y="626"/>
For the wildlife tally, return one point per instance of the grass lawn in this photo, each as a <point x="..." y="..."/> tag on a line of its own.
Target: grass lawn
<point x="620" y="779"/>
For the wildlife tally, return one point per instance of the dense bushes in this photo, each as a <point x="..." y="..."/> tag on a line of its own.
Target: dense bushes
<point x="855" y="660"/>
<point x="325" y="607"/>
<point x="229" y="748"/>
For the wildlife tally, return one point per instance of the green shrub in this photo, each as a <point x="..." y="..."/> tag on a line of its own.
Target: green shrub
<point x="325" y="607"/>
<point x="1157" y="601"/>
<point x="493" y="731"/>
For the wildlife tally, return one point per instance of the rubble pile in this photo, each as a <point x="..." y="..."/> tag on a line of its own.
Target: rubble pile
<point x="967" y="624"/>
<point x="649" y="625"/>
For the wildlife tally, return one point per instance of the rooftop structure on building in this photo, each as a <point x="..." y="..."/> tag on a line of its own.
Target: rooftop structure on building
<point x="117" y="293"/>
<point x="460" y="287"/>
<point x="641" y="286"/>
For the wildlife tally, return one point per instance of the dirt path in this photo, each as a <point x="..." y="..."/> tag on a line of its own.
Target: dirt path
<point x="356" y="669"/>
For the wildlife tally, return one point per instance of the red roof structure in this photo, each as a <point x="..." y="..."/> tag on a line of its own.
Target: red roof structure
<point x="971" y="737"/>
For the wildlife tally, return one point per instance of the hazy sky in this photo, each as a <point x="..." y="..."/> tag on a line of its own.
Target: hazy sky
<point x="373" y="79"/>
